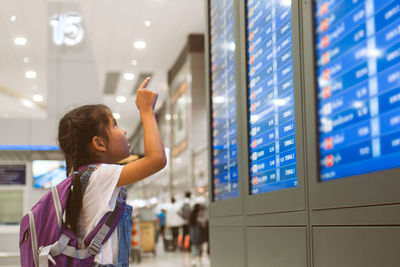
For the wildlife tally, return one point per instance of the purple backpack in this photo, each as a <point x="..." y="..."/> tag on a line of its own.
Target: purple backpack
<point x="44" y="239"/>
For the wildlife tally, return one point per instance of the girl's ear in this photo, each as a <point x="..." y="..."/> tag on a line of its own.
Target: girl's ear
<point x="98" y="144"/>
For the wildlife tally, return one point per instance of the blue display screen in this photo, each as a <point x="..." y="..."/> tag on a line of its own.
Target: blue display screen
<point x="48" y="173"/>
<point x="12" y="174"/>
<point x="358" y="79"/>
<point x="272" y="141"/>
<point x="223" y="101"/>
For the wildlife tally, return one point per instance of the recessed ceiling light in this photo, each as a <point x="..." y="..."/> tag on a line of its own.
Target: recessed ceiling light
<point x="140" y="44"/>
<point x="129" y="76"/>
<point x="121" y="99"/>
<point x="116" y="115"/>
<point x="20" y="41"/>
<point x="134" y="62"/>
<point x="38" y="98"/>
<point x="147" y="23"/>
<point x="26" y="59"/>
<point x="167" y="117"/>
<point x="27" y="103"/>
<point x="30" y="74"/>
<point x="13" y="18"/>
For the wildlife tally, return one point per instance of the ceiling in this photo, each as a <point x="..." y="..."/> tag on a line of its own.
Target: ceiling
<point x="112" y="27"/>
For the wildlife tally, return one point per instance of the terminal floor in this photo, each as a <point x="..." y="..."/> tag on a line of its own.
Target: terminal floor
<point x="166" y="259"/>
<point x="162" y="259"/>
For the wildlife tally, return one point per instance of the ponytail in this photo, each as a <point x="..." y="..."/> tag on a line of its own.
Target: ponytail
<point x="75" y="197"/>
<point x="74" y="204"/>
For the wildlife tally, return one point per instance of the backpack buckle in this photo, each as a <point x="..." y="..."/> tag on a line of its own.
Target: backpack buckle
<point x="94" y="247"/>
<point x="123" y="194"/>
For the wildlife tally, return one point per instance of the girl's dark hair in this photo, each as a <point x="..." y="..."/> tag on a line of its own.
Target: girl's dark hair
<point x="194" y="214"/>
<point x="75" y="132"/>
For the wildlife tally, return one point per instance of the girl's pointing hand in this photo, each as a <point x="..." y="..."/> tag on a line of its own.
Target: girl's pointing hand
<point x="145" y="99"/>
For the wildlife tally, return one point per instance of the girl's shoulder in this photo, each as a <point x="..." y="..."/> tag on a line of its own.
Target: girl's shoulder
<point x="102" y="187"/>
<point x="107" y="167"/>
<point x="107" y="174"/>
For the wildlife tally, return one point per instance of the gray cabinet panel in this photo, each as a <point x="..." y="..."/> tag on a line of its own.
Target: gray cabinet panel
<point x="276" y="246"/>
<point x="373" y="215"/>
<point x="232" y="221"/>
<point x="227" y="247"/>
<point x="299" y="218"/>
<point x="356" y="246"/>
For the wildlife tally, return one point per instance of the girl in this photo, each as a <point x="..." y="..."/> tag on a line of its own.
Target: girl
<point x="90" y="134"/>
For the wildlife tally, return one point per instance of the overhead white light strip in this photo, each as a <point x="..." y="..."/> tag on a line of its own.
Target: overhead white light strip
<point x="129" y="76"/>
<point x="18" y="95"/>
<point x="30" y="74"/>
<point x="20" y="41"/>
<point x="140" y="44"/>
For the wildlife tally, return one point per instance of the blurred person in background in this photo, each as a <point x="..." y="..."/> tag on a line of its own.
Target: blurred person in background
<point x="203" y="218"/>
<point x="174" y="221"/>
<point x="161" y="224"/>
<point x="185" y="211"/>
<point x="196" y="230"/>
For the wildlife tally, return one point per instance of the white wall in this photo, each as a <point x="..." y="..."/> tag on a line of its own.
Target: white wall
<point x="72" y="80"/>
<point x="9" y="234"/>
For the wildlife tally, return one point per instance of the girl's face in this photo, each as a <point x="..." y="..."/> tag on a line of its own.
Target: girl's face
<point x="118" y="147"/>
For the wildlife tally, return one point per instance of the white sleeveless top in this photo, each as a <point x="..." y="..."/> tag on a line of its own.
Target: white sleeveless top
<point x="99" y="198"/>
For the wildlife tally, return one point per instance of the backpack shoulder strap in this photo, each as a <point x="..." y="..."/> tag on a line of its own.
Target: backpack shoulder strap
<point x="107" y="228"/>
<point x="95" y="240"/>
<point x="33" y="237"/>
<point x="109" y="221"/>
<point x="85" y="177"/>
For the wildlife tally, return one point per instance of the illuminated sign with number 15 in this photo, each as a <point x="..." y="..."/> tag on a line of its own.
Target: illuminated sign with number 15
<point x="67" y="29"/>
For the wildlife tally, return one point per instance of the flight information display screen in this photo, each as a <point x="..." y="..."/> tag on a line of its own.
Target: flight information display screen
<point x="358" y="79"/>
<point x="48" y="173"/>
<point x="223" y="101"/>
<point x="272" y="142"/>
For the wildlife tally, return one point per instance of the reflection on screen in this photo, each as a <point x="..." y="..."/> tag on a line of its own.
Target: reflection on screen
<point x="223" y="101"/>
<point x="48" y="173"/>
<point x="271" y="96"/>
<point x="358" y="79"/>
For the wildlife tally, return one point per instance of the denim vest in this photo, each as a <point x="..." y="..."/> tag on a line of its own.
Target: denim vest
<point x="124" y="237"/>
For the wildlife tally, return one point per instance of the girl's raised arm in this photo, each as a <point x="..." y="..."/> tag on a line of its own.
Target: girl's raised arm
<point x="154" y="158"/>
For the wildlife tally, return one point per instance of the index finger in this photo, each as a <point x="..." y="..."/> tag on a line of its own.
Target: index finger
<point x="144" y="83"/>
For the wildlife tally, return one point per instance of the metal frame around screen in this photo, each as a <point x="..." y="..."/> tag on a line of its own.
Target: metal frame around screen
<point x="360" y="190"/>
<point x="232" y="206"/>
<point x="291" y="199"/>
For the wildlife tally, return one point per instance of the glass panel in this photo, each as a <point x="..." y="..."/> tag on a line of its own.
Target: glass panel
<point x="358" y="79"/>
<point x="48" y="173"/>
<point x="223" y="100"/>
<point x="272" y="137"/>
<point x="11" y="206"/>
